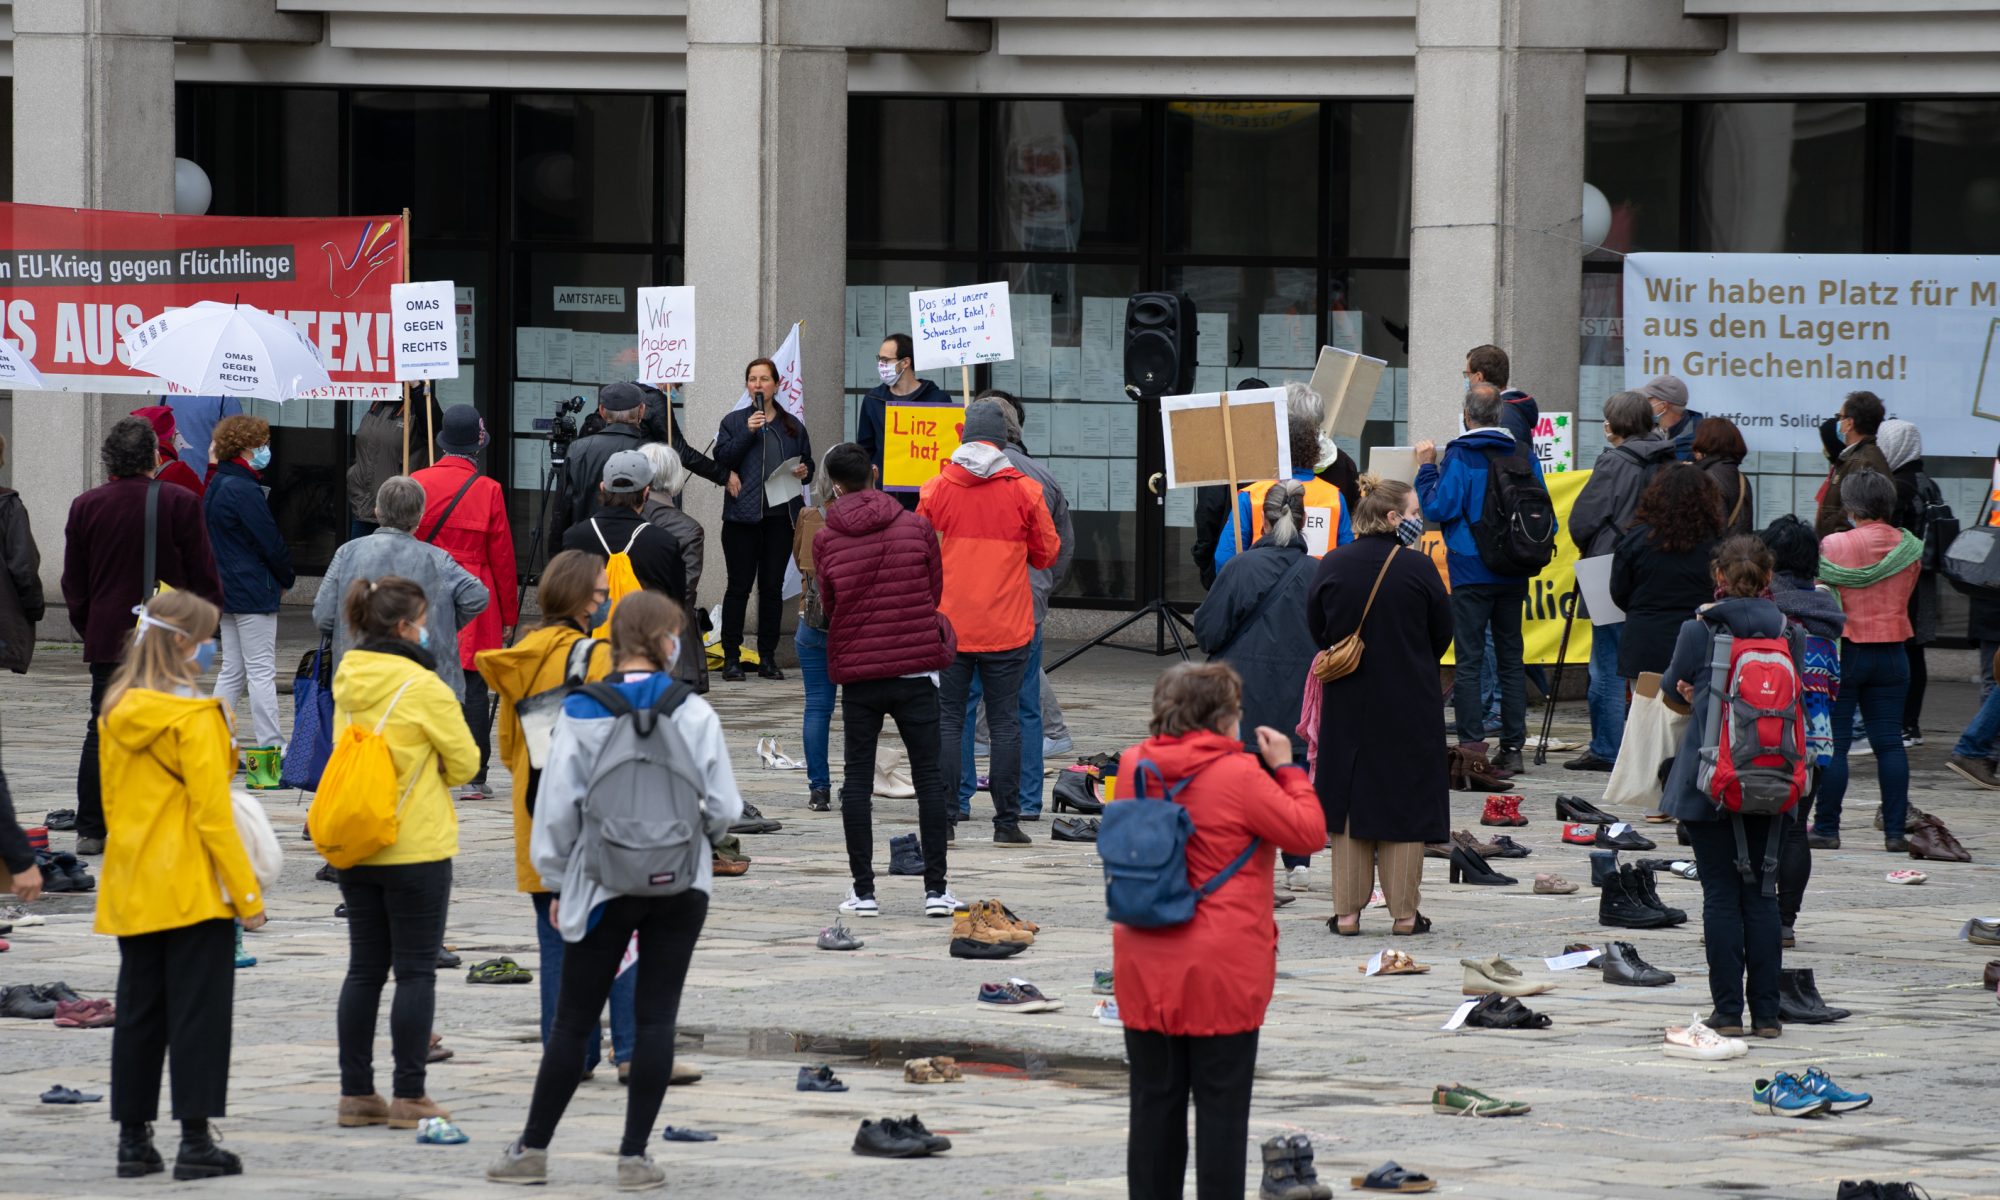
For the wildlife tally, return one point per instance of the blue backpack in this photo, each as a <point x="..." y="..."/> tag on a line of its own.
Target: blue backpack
<point x="1143" y="842"/>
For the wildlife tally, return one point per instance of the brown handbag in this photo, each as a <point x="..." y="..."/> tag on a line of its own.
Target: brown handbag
<point x="1344" y="656"/>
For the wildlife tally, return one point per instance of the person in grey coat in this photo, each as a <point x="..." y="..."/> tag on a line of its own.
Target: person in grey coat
<point x="662" y="508"/>
<point x="455" y="595"/>
<point x="1254" y="619"/>
<point x="1601" y="514"/>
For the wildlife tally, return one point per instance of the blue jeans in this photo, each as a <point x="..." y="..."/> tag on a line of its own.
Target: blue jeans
<point x="1477" y="609"/>
<point x="820" y="689"/>
<point x="1031" y="738"/>
<point x="624" y="1018"/>
<point x="1607" y="693"/>
<point x="1875" y="677"/>
<point x="1979" y="738"/>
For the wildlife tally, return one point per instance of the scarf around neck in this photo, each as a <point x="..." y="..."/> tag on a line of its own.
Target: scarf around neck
<point x="1905" y="553"/>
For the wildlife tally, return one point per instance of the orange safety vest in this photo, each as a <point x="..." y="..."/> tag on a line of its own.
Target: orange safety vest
<point x="1323" y="505"/>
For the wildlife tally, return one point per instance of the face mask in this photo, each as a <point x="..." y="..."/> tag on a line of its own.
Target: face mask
<point x="1468" y="384"/>
<point x="600" y="614"/>
<point x="203" y="657"/>
<point x="889" y="371"/>
<point x="1410" y="531"/>
<point x="673" y="650"/>
<point x="260" y="458"/>
<point x="424" y="637"/>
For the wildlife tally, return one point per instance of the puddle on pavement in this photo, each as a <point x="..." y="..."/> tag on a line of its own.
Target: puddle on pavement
<point x="980" y="1058"/>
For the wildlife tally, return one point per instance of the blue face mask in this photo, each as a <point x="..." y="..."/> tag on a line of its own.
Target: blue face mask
<point x="203" y="657"/>
<point x="260" y="458"/>
<point x="424" y="637"/>
<point x="600" y="614"/>
<point x="1468" y="384"/>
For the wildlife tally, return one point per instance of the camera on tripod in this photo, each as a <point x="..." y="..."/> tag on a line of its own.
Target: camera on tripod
<point x="562" y="427"/>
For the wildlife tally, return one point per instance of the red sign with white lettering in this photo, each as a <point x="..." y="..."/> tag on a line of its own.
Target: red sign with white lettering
<point x="73" y="280"/>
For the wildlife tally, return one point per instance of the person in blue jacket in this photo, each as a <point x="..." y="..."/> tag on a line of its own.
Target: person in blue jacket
<point x="256" y="568"/>
<point x="1453" y="495"/>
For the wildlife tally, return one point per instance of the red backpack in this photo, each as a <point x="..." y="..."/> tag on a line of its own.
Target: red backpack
<point x="1753" y="756"/>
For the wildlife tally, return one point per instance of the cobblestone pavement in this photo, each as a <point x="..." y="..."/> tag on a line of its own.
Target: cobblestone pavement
<point x="1346" y="1059"/>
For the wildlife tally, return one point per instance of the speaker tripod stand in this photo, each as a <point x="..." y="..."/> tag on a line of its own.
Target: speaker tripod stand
<point x="1169" y="621"/>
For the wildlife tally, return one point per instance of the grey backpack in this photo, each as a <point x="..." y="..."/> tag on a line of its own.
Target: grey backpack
<point x="643" y="831"/>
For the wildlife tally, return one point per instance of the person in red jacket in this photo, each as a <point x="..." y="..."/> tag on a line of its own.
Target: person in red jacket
<point x="880" y="575"/>
<point x="994" y="525"/>
<point x="1192" y="997"/>
<point x="104" y="577"/>
<point x="465" y="515"/>
<point x="171" y="469"/>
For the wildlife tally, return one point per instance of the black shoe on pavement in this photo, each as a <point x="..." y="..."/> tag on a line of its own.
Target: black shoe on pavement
<point x="327" y="873"/>
<point x="1623" y="965"/>
<point x="1011" y="837"/>
<point x="25" y="1002"/>
<point x="1509" y="760"/>
<point x="766" y="669"/>
<point x="820" y="800"/>
<point x="732" y="672"/>
<point x="906" y="855"/>
<point x="1588" y="761"/>
<point x="934" y="1143"/>
<point x="888" y="1139"/>
<point x="819" y="1079"/>
<point x="1078" y="829"/>
<point x="1815" y="841"/>
<point x="968" y="948"/>
<point x="60" y="819"/>
<point x="447" y="961"/>
<point x="753" y="821"/>
<point x="1577" y="810"/>
<point x="1619" y="908"/>
<point x="137" y="1158"/>
<point x="201" y="1158"/>
<point x="1630" y="839"/>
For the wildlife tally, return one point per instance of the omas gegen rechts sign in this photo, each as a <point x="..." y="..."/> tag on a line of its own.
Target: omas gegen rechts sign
<point x="424" y="329"/>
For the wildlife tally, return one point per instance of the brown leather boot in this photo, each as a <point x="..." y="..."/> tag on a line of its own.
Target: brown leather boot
<point x="357" y="1111"/>
<point x="969" y="923"/>
<point x="405" y="1113"/>
<point x="988" y="914"/>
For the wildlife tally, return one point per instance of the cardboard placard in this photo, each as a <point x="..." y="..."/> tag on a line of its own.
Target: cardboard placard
<point x="1196" y="451"/>
<point x="1394" y="462"/>
<point x="1555" y="443"/>
<point x="424" y="329"/>
<point x="666" y="335"/>
<point x="1346" y="383"/>
<point x="960" y="326"/>
<point x="916" y="441"/>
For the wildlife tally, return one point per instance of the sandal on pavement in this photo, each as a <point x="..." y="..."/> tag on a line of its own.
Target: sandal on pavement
<point x="1395" y="962"/>
<point x="69" y="1095"/>
<point x="1418" y="924"/>
<point x="1333" y="926"/>
<point x="1391" y="1178"/>
<point x="499" y="970"/>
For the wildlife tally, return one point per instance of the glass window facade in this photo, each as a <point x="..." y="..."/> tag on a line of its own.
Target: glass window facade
<point x="514" y="197"/>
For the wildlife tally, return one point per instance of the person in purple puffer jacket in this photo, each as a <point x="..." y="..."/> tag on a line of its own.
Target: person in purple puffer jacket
<point x="881" y="575"/>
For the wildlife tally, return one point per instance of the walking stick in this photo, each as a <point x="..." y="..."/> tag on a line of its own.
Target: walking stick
<point x="1555" y="687"/>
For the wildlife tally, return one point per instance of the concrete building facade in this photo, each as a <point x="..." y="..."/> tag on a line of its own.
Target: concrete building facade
<point x="1406" y="177"/>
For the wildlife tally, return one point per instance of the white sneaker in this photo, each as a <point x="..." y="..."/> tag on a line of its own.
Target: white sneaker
<point x="15" y="914"/>
<point x="939" y="904"/>
<point x="1106" y="1012"/>
<point x="1699" y="1041"/>
<point x="1299" y="879"/>
<point x="862" y="906"/>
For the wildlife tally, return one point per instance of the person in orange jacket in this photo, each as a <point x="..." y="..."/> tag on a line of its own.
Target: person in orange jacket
<point x="992" y="525"/>
<point x="166" y="759"/>
<point x="465" y="515"/>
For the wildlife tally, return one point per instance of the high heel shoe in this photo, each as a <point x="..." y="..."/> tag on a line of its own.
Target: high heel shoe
<point x="1470" y="868"/>
<point x="1076" y="791"/>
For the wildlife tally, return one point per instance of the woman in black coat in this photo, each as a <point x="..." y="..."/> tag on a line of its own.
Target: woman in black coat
<point x="751" y="444"/>
<point x="1381" y="770"/>
<point x="1660" y="567"/>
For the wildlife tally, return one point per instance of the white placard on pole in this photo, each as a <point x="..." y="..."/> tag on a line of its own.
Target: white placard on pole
<point x="423" y="332"/>
<point x="666" y="335"/>
<point x="1593" y="575"/>
<point x="1555" y="443"/>
<point x="961" y="326"/>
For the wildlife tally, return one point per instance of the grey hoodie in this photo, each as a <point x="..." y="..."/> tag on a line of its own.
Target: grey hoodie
<point x="1604" y="508"/>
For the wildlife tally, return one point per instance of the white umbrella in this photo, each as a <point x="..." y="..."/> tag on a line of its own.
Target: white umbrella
<point x="228" y="349"/>
<point x="15" y="369"/>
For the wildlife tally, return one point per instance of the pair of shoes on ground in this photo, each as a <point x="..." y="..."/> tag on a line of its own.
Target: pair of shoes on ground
<point x="1629" y="899"/>
<point x="1621" y="964"/>
<point x="1697" y="1041"/>
<point x="36" y="1001"/>
<point x="1015" y="996"/>
<point x="1809" y="1095"/>
<point x="1495" y="1011"/>
<point x="1502" y="810"/>
<point x="199" y="1158"/>
<point x="1289" y="1173"/>
<point x="1496" y="974"/>
<point x="937" y="905"/>
<point x="1868" y="1189"/>
<point x="65" y="872"/>
<point x="938" y="1068"/>
<point x="753" y="821"/>
<point x="358" y="1112"/>
<point x="1799" y="1001"/>
<point x="726" y="858"/>
<point x="518" y="1164"/>
<point x="981" y="930"/>
<point x="1457" y="1100"/>
<point x="893" y="1137"/>
<point x="819" y="1079"/>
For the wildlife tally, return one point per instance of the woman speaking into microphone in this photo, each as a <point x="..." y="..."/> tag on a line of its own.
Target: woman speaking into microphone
<point x="756" y="444"/>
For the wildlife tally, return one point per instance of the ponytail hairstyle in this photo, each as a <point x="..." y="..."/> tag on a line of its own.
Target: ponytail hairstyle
<point x="1284" y="511"/>
<point x="158" y="651"/>
<point x="1742" y="566"/>
<point x="376" y="608"/>
<point x="1382" y="504"/>
<point x="640" y="626"/>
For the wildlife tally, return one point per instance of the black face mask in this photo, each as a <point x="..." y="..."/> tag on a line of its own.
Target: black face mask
<point x="1411" y="530"/>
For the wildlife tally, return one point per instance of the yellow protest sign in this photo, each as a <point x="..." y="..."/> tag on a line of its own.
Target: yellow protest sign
<point x="1550" y="593"/>
<point x="916" y="441"/>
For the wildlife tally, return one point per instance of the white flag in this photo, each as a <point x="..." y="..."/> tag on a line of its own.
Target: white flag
<point x="791" y="391"/>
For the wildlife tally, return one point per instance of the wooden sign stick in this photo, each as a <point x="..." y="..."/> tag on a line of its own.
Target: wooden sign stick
<point x="1229" y="456"/>
<point x="406" y="429"/>
<point x="430" y="422"/>
<point x="965" y="383"/>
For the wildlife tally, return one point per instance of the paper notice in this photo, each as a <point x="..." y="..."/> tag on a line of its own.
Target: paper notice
<point x="1124" y="486"/>
<point x="1593" y="575"/>
<point x="557" y="345"/>
<point x="1065" y="373"/>
<point x="1374" y="966"/>
<point x="530" y="353"/>
<point x="1570" y="962"/>
<point x="1180" y="508"/>
<point x="1464" y="1011"/>
<point x="1211" y="341"/>
<point x="1093" y="485"/>
<point x="1393" y="462"/>
<point x="781" y="486"/>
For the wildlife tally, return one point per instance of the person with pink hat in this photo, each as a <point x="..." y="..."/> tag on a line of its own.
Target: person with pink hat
<point x="171" y="468"/>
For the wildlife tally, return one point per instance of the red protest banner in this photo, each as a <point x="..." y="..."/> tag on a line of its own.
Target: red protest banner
<point x="73" y="280"/>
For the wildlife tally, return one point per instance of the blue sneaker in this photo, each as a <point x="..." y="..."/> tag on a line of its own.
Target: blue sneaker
<point x="1818" y="1083"/>
<point x="436" y="1131"/>
<point x="1784" y="1096"/>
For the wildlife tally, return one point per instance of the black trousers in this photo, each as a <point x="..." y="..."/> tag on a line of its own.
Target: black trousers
<point x="755" y="555"/>
<point x="1738" y="921"/>
<point x="1920" y="678"/>
<point x="89" y="792"/>
<point x="395" y="917"/>
<point x="1165" y="1068"/>
<point x="667" y="927"/>
<point x="478" y="708"/>
<point x="176" y="992"/>
<point x="1000" y="673"/>
<point x="1794" y="865"/>
<point x="913" y="704"/>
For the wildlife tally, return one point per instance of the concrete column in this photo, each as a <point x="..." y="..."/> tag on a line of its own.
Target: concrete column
<point x="1496" y="203"/>
<point x="766" y="199"/>
<point x="93" y="128"/>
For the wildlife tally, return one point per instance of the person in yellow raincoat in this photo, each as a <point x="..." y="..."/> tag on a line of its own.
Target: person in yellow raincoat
<point x="574" y="596"/>
<point x="176" y="879"/>
<point x="397" y="897"/>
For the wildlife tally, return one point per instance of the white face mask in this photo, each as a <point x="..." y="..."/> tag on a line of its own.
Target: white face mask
<point x="673" y="651"/>
<point x="889" y="371"/>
